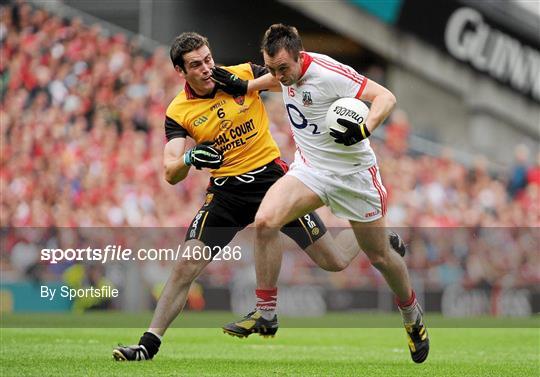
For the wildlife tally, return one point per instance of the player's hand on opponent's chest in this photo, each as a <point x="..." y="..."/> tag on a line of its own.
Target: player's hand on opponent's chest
<point x="229" y="82"/>
<point x="354" y="132"/>
<point x="204" y="155"/>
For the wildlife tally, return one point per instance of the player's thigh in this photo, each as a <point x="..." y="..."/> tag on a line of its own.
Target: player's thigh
<point x="214" y="225"/>
<point x="328" y="247"/>
<point x="371" y="236"/>
<point x="192" y="260"/>
<point x="286" y="200"/>
<point x="326" y="253"/>
<point x="305" y="230"/>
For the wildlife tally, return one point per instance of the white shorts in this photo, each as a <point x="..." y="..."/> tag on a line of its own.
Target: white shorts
<point x="358" y="196"/>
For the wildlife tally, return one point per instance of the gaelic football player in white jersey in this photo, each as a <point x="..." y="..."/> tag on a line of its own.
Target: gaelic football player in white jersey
<point x="337" y="169"/>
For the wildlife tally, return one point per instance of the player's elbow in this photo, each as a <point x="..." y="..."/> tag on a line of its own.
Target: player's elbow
<point x="171" y="177"/>
<point x="390" y="99"/>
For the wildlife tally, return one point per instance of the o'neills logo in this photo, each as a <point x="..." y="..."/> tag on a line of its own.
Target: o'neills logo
<point x="195" y="224"/>
<point x="239" y="100"/>
<point x="342" y="111"/>
<point x="312" y="225"/>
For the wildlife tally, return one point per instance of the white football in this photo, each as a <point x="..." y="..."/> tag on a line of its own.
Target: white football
<point x="346" y="108"/>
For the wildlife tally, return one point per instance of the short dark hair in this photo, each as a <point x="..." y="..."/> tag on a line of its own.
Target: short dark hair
<point x="280" y="36"/>
<point x="184" y="43"/>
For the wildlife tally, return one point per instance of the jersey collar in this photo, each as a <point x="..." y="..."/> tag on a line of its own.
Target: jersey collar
<point x="307" y="59"/>
<point x="190" y="93"/>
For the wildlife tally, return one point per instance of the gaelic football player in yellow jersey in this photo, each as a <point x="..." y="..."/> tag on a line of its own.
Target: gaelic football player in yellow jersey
<point x="232" y="136"/>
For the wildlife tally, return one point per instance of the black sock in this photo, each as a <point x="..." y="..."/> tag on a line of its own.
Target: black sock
<point x="151" y="343"/>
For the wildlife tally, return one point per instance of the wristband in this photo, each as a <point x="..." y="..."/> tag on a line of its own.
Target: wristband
<point x="364" y="131"/>
<point x="187" y="158"/>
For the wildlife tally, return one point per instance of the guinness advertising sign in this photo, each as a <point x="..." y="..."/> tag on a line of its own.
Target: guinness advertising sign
<point x="472" y="38"/>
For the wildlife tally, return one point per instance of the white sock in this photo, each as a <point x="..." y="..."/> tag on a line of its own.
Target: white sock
<point x="410" y="313"/>
<point x="160" y="337"/>
<point x="267" y="314"/>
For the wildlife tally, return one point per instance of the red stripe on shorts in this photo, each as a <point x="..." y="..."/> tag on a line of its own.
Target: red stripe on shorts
<point x="376" y="183"/>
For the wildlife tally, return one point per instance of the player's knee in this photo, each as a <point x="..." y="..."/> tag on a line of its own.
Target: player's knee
<point x="340" y="265"/>
<point x="186" y="270"/>
<point x="335" y="266"/>
<point x="265" y="223"/>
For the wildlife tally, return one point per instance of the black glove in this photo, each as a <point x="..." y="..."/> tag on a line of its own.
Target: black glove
<point x="229" y="82"/>
<point x="354" y="134"/>
<point x="204" y="155"/>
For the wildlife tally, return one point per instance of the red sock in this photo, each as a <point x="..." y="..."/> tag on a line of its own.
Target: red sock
<point x="266" y="300"/>
<point x="407" y="303"/>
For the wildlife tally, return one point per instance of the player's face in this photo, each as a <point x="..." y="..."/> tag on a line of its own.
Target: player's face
<point x="283" y="67"/>
<point x="198" y="66"/>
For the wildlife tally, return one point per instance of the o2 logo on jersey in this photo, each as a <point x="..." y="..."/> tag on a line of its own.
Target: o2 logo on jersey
<point x="298" y="120"/>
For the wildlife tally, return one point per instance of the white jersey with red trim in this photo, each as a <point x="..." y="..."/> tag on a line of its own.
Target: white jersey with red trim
<point x="323" y="81"/>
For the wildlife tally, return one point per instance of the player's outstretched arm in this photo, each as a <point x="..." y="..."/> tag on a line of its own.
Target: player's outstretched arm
<point x="234" y="85"/>
<point x="173" y="161"/>
<point x="382" y="103"/>
<point x="265" y="82"/>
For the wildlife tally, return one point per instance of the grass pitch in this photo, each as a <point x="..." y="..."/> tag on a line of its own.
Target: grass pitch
<point x="340" y="351"/>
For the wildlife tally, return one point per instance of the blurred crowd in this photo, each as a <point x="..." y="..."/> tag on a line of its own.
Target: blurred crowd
<point x="82" y="138"/>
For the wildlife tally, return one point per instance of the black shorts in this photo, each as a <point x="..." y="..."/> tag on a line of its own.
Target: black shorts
<point x="232" y="202"/>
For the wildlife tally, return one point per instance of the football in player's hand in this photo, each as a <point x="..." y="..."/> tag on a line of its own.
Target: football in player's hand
<point x="350" y="109"/>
